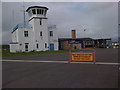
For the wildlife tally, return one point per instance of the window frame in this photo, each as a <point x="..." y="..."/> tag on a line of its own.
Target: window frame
<point x="42" y="11"/>
<point x="34" y="11"/>
<point x="38" y="11"/>
<point x="25" y="33"/>
<point x="41" y="33"/>
<point x="45" y="45"/>
<point x="51" y="33"/>
<point x="40" y="22"/>
<point x="30" y="13"/>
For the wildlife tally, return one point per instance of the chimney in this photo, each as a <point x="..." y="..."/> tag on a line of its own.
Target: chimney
<point x="73" y="34"/>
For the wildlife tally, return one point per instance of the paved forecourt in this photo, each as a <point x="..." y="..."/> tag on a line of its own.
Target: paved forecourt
<point x="54" y="71"/>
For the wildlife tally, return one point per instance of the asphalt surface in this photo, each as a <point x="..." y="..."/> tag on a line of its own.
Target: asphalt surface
<point x="61" y="75"/>
<point x="102" y="55"/>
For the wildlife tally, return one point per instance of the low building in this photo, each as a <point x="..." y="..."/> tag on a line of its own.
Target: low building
<point x="78" y="43"/>
<point x="75" y="43"/>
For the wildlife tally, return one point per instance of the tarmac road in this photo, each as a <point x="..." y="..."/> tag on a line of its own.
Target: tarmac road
<point x="61" y="75"/>
<point x="102" y="55"/>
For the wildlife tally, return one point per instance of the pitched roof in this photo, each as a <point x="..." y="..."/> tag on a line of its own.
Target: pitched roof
<point x="28" y="26"/>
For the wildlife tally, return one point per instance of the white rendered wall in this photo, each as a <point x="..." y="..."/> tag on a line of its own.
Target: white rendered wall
<point x="15" y="36"/>
<point x="18" y="36"/>
<point x="37" y="28"/>
<point x="54" y="39"/>
<point x="23" y="39"/>
<point x="14" y="48"/>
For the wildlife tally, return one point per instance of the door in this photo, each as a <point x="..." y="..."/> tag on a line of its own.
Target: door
<point x="26" y="46"/>
<point x="51" y="47"/>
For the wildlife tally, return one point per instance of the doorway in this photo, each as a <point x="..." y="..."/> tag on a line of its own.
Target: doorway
<point x="51" y="47"/>
<point x="26" y="46"/>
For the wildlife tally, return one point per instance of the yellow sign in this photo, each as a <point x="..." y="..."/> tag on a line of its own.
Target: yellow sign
<point x="82" y="56"/>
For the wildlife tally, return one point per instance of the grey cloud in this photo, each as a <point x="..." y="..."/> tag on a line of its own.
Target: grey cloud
<point x="99" y="19"/>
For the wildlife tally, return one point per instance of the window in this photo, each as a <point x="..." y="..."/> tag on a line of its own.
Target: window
<point x="25" y="33"/>
<point x="40" y="22"/>
<point x="51" y="33"/>
<point x="41" y="11"/>
<point x="45" y="45"/>
<point x="45" y="12"/>
<point x="34" y="11"/>
<point x="38" y="11"/>
<point x="40" y="33"/>
<point x="30" y="14"/>
<point x="37" y="45"/>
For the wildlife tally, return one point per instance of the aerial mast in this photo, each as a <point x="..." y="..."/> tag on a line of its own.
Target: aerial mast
<point x="24" y="15"/>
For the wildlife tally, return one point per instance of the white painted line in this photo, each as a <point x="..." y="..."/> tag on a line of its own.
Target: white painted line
<point x="107" y="63"/>
<point x="34" y="61"/>
<point x="83" y="62"/>
<point x="104" y="63"/>
<point x="101" y="63"/>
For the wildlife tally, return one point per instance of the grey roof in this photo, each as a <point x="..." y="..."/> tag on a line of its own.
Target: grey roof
<point x="36" y="7"/>
<point x="13" y="42"/>
<point x="76" y="39"/>
<point x="51" y="26"/>
<point x="83" y="39"/>
<point x="28" y="26"/>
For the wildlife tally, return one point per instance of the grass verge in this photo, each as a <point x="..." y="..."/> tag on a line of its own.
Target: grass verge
<point x="6" y="53"/>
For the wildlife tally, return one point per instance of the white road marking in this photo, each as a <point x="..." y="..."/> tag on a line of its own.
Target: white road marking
<point x="101" y="63"/>
<point x="108" y="63"/>
<point x="34" y="61"/>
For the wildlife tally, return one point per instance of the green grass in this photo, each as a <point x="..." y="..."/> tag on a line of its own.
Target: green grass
<point x="6" y="53"/>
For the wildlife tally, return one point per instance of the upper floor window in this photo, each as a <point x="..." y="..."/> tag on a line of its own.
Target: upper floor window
<point x="38" y="11"/>
<point x="29" y="13"/>
<point x="41" y="11"/>
<point x="34" y="11"/>
<point x="40" y="33"/>
<point x="51" y="33"/>
<point x="26" y="33"/>
<point x="45" y="12"/>
<point x="40" y="22"/>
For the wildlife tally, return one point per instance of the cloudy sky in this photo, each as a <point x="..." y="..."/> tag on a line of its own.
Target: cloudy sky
<point x="100" y="19"/>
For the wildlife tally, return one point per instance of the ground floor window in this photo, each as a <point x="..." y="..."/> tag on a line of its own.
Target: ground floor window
<point x="45" y="45"/>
